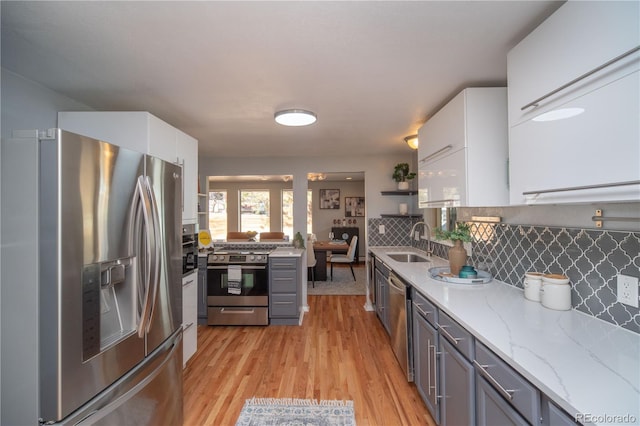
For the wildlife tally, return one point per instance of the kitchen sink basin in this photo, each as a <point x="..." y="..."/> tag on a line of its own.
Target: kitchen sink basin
<point x="407" y="257"/>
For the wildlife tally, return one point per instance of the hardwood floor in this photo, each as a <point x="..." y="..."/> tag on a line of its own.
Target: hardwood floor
<point x="340" y="352"/>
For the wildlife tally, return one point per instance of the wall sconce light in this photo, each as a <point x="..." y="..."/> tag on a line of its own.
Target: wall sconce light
<point x="412" y="141"/>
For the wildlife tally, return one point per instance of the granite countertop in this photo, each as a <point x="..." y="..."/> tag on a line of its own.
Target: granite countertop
<point x="585" y="365"/>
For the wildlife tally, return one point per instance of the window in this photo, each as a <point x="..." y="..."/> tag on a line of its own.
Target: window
<point x="254" y="211"/>
<point x="287" y="212"/>
<point x="218" y="215"/>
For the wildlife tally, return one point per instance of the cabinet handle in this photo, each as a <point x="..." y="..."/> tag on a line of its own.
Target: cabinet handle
<point x="435" y="375"/>
<point x="429" y="366"/>
<point x="187" y="283"/>
<point x="580" y="188"/>
<point x="507" y="393"/>
<point x="418" y="307"/>
<point x="440" y="151"/>
<point x="448" y="335"/>
<point x="186" y="327"/>
<point x="583" y="76"/>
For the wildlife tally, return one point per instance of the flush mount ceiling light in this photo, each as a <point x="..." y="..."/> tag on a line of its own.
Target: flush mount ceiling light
<point x="295" y="117"/>
<point x="412" y="141"/>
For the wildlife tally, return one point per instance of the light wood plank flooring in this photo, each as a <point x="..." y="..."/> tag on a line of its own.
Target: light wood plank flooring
<point x="340" y="352"/>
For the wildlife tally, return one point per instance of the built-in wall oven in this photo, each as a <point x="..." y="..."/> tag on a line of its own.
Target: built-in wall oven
<point x="238" y="288"/>
<point x="189" y="249"/>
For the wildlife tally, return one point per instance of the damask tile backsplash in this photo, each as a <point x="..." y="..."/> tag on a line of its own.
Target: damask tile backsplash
<point x="591" y="259"/>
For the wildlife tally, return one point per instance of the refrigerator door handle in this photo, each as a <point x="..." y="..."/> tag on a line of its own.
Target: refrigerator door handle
<point x="145" y="207"/>
<point x="155" y="249"/>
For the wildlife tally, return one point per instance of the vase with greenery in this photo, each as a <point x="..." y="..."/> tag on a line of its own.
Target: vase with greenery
<point x="457" y="254"/>
<point x="298" y="241"/>
<point x="402" y="175"/>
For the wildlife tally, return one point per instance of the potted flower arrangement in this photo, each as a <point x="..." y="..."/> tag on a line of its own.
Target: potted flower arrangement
<point x="457" y="254"/>
<point x="401" y="175"/>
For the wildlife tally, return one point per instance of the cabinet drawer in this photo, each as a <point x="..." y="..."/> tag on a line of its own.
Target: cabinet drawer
<point x="456" y="334"/>
<point x="524" y="396"/>
<point x="425" y="308"/>
<point x="283" y="262"/>
<point x="283" y="281"/>
<point x="283" y="305"/>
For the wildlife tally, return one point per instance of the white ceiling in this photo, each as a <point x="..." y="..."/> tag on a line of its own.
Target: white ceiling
<point x="373" y="71"/>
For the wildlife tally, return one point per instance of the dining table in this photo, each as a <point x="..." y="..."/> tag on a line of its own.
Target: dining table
<point x="322" y="249"/>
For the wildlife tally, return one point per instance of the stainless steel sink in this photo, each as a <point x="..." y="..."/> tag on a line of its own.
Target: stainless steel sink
<point x="407" y="257"/>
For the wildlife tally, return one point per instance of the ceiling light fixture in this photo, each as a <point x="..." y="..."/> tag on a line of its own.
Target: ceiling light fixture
<point x="412" y="141"/>
<point x="295" y="117"/>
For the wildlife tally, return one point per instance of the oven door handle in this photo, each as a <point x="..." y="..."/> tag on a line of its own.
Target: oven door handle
<point x="225" y="267"/>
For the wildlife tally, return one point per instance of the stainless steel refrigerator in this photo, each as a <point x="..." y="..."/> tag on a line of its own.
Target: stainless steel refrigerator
<point x="93" y="335"/>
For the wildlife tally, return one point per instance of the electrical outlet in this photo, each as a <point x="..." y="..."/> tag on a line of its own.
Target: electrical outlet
<point x="628" y="290"/>
<point x="381" y="229"/>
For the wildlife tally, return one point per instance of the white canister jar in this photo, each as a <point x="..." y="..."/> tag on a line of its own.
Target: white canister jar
<point x="556" y="292"/>
<point x="532" y="285"/>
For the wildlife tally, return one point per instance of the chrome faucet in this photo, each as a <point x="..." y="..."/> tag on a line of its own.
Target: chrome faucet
<point x="426" y="237"/>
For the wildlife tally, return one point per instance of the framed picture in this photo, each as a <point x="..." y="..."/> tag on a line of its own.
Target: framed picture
<point x="353" y="206"/>
<point x="330" y="199"/>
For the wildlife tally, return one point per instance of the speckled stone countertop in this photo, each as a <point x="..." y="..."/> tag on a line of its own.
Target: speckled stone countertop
<point x="583" y="364"/>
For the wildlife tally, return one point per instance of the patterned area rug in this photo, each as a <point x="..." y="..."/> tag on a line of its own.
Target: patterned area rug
<point x="288" y="411"/>
<point x="342" y="284"/>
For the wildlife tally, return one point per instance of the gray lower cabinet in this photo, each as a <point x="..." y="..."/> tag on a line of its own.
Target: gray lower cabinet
<point x="492" y="409"/>
<point x="202" y="290"/>
<point x="457" y="386"/>
<point x="510" y="392"/>
<point x="284" y="297"/>
<point x="425" y="366"/>
<point x="552" y="415"/>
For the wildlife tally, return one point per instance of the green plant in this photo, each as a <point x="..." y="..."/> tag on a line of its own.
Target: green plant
<point x="298" y="241"/>
<point x="401" y="173"/>
<point x="461" y="232"/>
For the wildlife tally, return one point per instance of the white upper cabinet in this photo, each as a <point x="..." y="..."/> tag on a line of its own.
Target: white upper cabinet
<point x="146" y="133"/>
<point x="582" y="60"/>
<point x="463" y="151"/>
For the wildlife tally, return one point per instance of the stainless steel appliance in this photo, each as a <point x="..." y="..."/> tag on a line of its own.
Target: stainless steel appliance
<point x="189" y="249"/>
<point x="103" y="224"/>
<point x="400" y="323"/>
<point x="238" y="288"/>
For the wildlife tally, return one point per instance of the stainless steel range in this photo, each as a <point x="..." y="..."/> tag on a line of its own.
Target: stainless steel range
<point x="238" y="288"/>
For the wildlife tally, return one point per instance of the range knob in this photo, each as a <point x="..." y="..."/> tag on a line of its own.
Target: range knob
<point x="252" y="257"/>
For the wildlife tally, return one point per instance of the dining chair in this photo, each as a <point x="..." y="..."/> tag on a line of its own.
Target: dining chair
<point x="237" y="236"/>
<point x="311" y="263"/>
<point x="345" y="258"/>
<point x="272" y="236"/>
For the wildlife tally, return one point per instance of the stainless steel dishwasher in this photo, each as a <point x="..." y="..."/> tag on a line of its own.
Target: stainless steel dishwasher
<point x="400" y="323"/>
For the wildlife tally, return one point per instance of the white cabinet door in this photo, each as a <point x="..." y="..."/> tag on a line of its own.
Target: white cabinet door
<point x="443" y="182"/>
<point x="126" y="129"/>
<point x="586" y="157"/>
<point x="463" y="161"/>
<point x="186" y="151"/>
<point x="577" y="38"/>
<point x="162" y="140"/>
<point x="189" y="316"/>
<point x="599" y="146"/>
<point x="444" y="133"/>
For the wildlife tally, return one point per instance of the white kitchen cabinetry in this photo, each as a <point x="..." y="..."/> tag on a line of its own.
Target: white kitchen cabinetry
<point x="463" y="151"/>
<point x="189" y="316"/>
<point x="146" y="133"/>
<point x="581" y="57"/>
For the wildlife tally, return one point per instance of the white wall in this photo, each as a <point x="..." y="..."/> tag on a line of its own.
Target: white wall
<point x="25" y="105"/>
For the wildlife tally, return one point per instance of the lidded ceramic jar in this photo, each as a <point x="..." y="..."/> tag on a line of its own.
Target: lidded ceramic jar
<point x="468" y="271"/>
<point x="532" y="285"/>
<point x="556" y="292"/>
